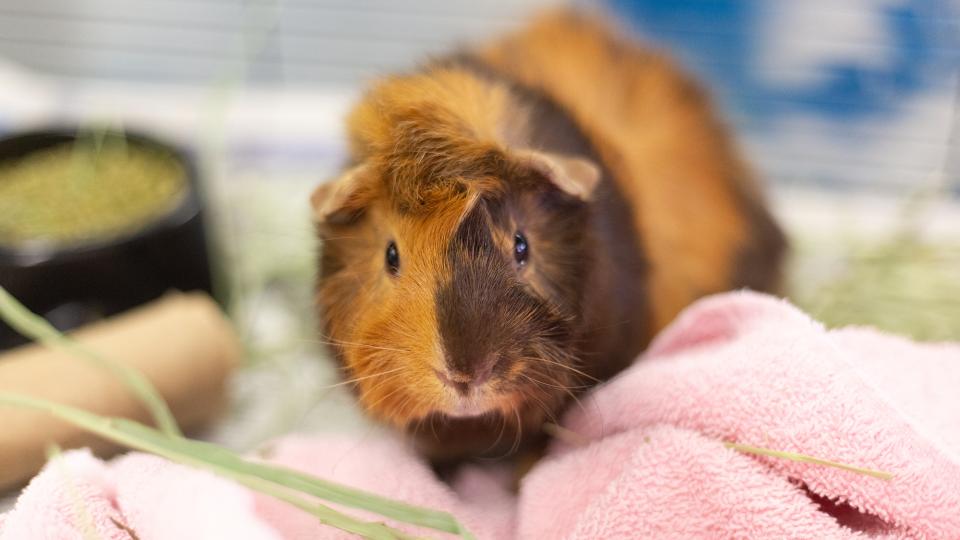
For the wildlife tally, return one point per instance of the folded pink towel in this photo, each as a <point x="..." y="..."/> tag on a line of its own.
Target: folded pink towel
<point x="738" y="367"/>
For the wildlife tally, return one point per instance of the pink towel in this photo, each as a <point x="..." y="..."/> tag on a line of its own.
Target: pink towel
<point x="738" y="367"/>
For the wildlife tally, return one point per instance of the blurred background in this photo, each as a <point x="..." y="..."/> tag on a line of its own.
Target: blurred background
<point x="847" y="108"/>
<point x="849" y="94"/>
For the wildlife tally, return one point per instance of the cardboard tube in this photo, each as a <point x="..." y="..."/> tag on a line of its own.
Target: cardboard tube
<point x="181" y="342"/>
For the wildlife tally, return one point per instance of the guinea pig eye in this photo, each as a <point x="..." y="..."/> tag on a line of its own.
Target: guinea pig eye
<point x="393" y="258"/>
<point x="521" y="250"/>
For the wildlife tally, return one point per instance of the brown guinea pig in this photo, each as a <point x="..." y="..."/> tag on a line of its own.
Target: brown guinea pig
<point x="516" y="224"/>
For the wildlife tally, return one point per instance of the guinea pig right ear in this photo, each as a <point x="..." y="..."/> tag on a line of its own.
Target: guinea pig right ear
<point x="574" y="175"/>
<point x="341" y="200"/>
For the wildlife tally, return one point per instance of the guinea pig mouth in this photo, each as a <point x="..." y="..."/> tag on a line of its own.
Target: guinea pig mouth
<point x="473" y="404"/>
<point x="466" y="409"/>
<point x="477" y="402"/>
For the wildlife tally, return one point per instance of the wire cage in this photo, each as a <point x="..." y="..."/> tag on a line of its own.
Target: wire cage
<point x="857" y="94"/>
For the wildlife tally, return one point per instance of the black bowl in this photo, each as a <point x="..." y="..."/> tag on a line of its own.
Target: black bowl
<point x="72" y="285"/>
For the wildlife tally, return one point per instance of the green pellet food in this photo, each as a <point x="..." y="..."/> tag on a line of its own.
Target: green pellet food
<point x="82" y="192"/>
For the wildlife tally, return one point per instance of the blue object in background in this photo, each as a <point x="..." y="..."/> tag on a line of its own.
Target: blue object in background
<point x="857" y="69"/>
<point x="717" y="39"/>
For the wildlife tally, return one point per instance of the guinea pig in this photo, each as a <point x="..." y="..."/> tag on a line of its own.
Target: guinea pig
<point x="517" y="222"/>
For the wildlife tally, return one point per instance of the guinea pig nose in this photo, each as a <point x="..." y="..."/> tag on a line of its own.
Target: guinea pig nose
<point x="461" y="381"/>
<point x="458" y="382"/>
<point x="483" y="370"/>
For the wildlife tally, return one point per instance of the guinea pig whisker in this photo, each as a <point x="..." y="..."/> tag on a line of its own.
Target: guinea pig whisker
<point x="516" y="443"/>
<point x="571" y="368"/>
<point x="577" y="400"/>
<point x="567" y="389"/>
<point x="401" y="409"/>
<point x="413" y="403"/>
<point x="383" y="382"/>
<point x="353" y="344"/>
<point x="417" y="425"/>
<point x="379" y="384"/>
<point x="543" y="406"/>
<point x="573" y="395"/>
<point x="503" y="428"/>
<point x="559" y="386"/>
<point x="358" y="379"/>
<point x="513" y="446"/>
<point x="373" y="406"/>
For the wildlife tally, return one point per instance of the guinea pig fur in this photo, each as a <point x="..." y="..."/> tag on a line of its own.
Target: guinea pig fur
<point x="515" y="225"/>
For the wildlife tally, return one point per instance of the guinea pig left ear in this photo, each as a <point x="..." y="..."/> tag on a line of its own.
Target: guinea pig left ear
<point x="339" y="201"/>
<point x="574" y="175"/>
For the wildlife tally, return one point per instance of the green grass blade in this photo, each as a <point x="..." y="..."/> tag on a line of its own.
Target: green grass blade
<point x="324" y="514"/>
<point x="36" y="328"/>
<point x="803" y="458"/>
<point x="292" y="479"/>
<point x="274" y="481"/>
